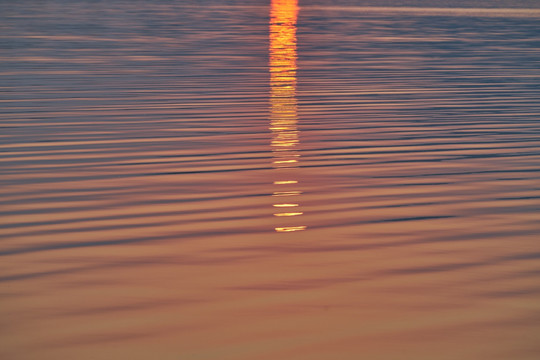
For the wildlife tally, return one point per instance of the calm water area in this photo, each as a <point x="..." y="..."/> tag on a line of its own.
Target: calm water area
<point x="239" y="180"/>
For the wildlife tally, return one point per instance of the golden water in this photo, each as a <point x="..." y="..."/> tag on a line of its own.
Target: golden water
<point x="210" y="180"/>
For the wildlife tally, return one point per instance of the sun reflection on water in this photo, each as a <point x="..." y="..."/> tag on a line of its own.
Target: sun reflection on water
<point x="283" y="105"/>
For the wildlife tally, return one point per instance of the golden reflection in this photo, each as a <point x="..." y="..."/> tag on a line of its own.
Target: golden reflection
<point x="289" y="214"/>
<point x="285" y="205"/>
<point x="286" y="193"/>
<point x="285" y="182"/>
<point x="290" y="228"/>
<point x="285" y="161"/>
<point x="283" y="105"/>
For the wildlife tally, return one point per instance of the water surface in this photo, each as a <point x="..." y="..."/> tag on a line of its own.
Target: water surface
<point x="210" y="180"/>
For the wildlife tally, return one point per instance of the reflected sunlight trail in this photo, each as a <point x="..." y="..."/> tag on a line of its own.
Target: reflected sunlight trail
<point x="283" y="109"/>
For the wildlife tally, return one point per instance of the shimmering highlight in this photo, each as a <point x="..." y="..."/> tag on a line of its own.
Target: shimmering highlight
<point x="290" y="228"/>
<point x="283" y="103"/>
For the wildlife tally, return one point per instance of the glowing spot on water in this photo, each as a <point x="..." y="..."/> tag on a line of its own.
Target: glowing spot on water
<point x="289" y="214"/>
<point x="290" y="228"/>
<point x="285" y="161"/>
<point x="286" y="193"/>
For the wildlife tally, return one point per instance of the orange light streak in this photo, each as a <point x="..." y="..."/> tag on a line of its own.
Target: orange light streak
<point x="283" y="103"/>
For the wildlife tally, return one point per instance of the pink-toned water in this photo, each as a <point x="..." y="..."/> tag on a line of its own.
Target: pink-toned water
<point x="210" y="180"/>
